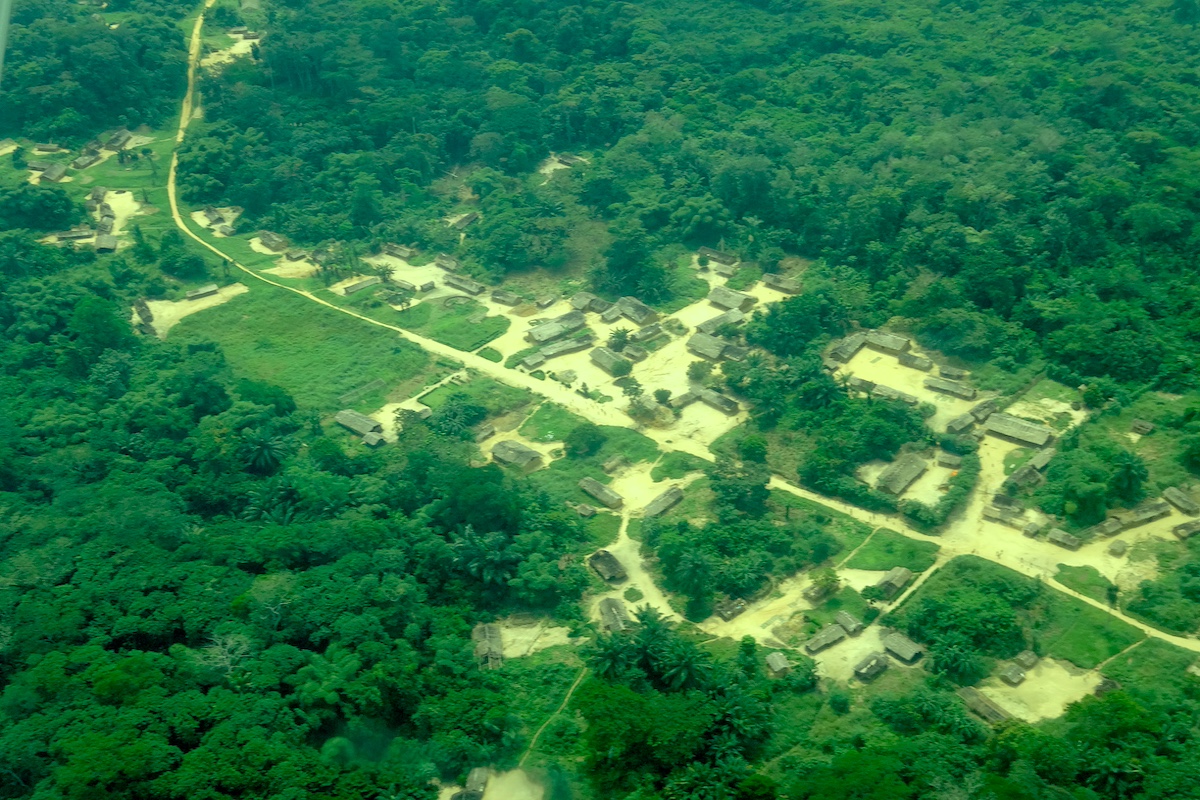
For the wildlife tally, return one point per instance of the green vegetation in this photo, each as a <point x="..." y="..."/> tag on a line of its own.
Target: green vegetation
<point x="491" y="354"/>
<point x="550" y="423"/>
<point x="972" y="612"/>
<point x="1087" y="581"/>
<point x="316" y="354"/>
<point x="498" y="398"/>
<point x="463" y="326"/>
<point x="677" y="464"/>
<point x="887" y="549"/>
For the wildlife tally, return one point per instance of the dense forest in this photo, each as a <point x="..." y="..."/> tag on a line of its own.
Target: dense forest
<point x="207" y="591"/>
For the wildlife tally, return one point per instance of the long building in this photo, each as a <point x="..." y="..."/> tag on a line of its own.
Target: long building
<point x="1019" y="430"/>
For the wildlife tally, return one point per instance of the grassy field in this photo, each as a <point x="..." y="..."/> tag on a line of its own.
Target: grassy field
<point x="1154" y="666"/>
<point x="562" y="477"/>
<point x="847" y="599"/>
<point x="887" y="549"/>
<point x="496" y="397"/>
<point x="314" y="353"/>
<point x="789" y="509"/>
<point x="1085" y="580"/>
<point x="463" y="326"/>
<point x="1055" y="624"/>
<point x="550" y="423"/>
<point x="675" y="465"/>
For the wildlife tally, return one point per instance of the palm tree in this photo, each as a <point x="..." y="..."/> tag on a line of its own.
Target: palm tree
<point x="693" y="572"/>
<point x="610" y="656"/>
<point x="264" y="452"/>
<point x="1130" y="473"/>
<point x="680" y="665"/>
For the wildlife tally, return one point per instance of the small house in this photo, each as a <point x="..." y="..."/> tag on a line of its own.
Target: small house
<point x="37" y="166"/>
<point x="272" y="241"/>
<point x="960" y="424"/>
<point x="857" y="384"/>
<point x="781" y="283"/>
<point x="477" y="780"/>
<point x="251" y="36"/>
<point x="1041" y="459"/>
<point x="727" y="608"/>
<point x="778" y="664"/>
<point x="1181" y="500"/>
<point x="105" y="225"/>
<point x="647" y="333"/>
<point x="613" y="615"/>
<point x="719" y="256"/>
<point x="1142" y="427"/>
<point x="568" y="160"/>
<point x="1110" y="527"/>
<point x="611" y="314"/>
<point x="53" y="173"/>
<point x="515" y="454"/>
<point x="706" y="346"/>
<point x="106" y="243"/>
<point x="46" y="147"/>
<point x="533" y="361"/>
<point x="828" y="636"/>
<point x="207" y="290"/>
<point x="871" y="667"/>
<point x="953" y="373"/>
<point x="1019" y="430"/>
<point x="683" y="400"/>
<point x="635" y="353"/>
<point x="564" y="346"/>
<point x="506" y="298"/>
<point x="446" y="261"/>
<point x="84" y="161"/>
<point x="714" y="399"/>
<point x="582" y="301"/>
<point x="1145" y="513"/>
<point x="731" y="317"/>
<point x="484" y="431"/>
<point x="1012" y="675"/>
<point x="609" y="361"/>
<point x="489" y="647"/>
<point x="547" y="300"/>
<point x="1118" y="548"/>
<point x="1031" y="530"/>
<point x="851" y="625"/>
<point x="888" y="393"/>
<point x="607" y="566"/>
<point x="295" y="254"/>
<point x="585" y="511"/>
<point x="463" y="283"/>
<point x="75" y="234"/>
<point x="1187" y="530"/>
<point x="615" y="463"/>
<point x="664" y="502"/>
<point x="913" y="361"/>
<point x="900" y="474"/>
<point x="981" y="411"/>
<point x="952" y="388"/>
<point x="224" y="230"/>
<point x="724" y="297"/>
<point x="1026" y="659"/>
<point x="365" y="283"/>
<point x="948" y="460"/>
<point x="891" y="584"/>
<point x="213" y="216"/>
<point x="847" y="348"/>
<point x="466" y="219"/>
<point x="119" y="139"/>
<point x="982" y="706"/>
<point x="1063" y="539"/>
<point x="888" y="342"/>
<point x="98" y="193"/>
<point x="398" y="250"/>
<point x="598" y="491"/>
<point x="636" y="311"/>
<point x="902" y="647"/>
<point x="357" y="423"/>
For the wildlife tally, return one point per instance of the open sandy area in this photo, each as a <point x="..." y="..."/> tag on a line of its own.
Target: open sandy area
<point x="838" y="662"/>
<point x="257" y="246"/>
<point x="167" y="313"/>
<point x="515" y="785"/>
<point x="240" y="47"/>
<point x="762" y="617"/>
<point x="293" y="269"/>
<point x="1047" y="410"/>
<point x="627" y="551"/>
<point x="1048" y="689"/>
<point x="124" y="206"/>
<point x="522" y="639"/>
<point x="7" y="147"/>
<point x="885" y="370"/>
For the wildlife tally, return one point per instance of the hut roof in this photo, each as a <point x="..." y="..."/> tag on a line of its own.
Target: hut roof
<point x="902" y="647"/>
<point x="583" y="301"/>
<point x="778" y="663"/>
<point x="664" y="502"/>
<point x="914" y="361"/>
<point x="871" y="666"/>
<point x="979" y="703"/>
<point x="952" y="388"/>
<point x="724" y="297"/>
<point x="599" y="491"/>
<point x="900" y="474"/>
<point x="894" y="581"/>
<point x="953" y="373"/>
<point x="636" y="311"/>
<point x="272" y="241"/>
<point x="702" y="344"/>
<point x="1063" y="539"/>
<point x="719" y="256"/>
<point x="1181" y="500"/>
<point x="960" y="423"/>
<point x="1187" y="530"/>
<point x="888" y="342"/>
<point x="1012" y="675"/>
<point x="607" y="360"/>
<point x="607" y="566"/>
<point x="847" y="348"/>
<point x="830" y="635"/>
<point x="613" y="615"/>
<point x="1145" y="513"/>
<point x="949" y="460"/>
<point x="848" y="622"/>
<point x="54" y="172"/>
<point x="781" y="283"/>
<point x="106" y="243"/>
<point x="365" y="283"/>
<point x="463" y="283"/>
<point x="357" y="423"/>
<point x="506" y="298"/>
<point x="515" y="453"/>
<point x="726" y="405"/>
<point x="1026" y="659"/>
<point x="983" y="410"/>
<point x="204" y="291"/>
<point x="1020" y="430"/>
<point x="730" y="317"/>
<point x="565" y="346"/>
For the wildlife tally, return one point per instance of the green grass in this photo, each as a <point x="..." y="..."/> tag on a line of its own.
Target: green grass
<point x="789" y="509"/>
<point x="1082" y="634"/>
<point x="453" y="325"/>
<point x="1014" y="458"/>
<point x="744" y="277"/>
<point x="602" y="530"/>
<point x="550" y="423"/>
<point x="675" y="465"/>
<point x="686" y="288"/>
<point x="1085" y="580"/>
<point x="561" y="478"/>
<point x="496" y="397"/>
<point x="990" y="378"/>
<point x="314" y="353"/>
<point x="847" y="599"/>
<point x="1047" y="389"/>
<point x="1153" y="667"/>
<point x="887" y="549"/>
<point x="491" y="354"/>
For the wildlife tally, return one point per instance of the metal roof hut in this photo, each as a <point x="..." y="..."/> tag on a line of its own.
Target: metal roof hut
<point x="54" y="173"/>
<point x="731" y="317"/>
<point x="913" y="361"/>
<point x="398" y="250"/>
<point x="846" y="620"/>
<point x="1012" y="675"/>
<point x="713" y="399"/>
<point x="119" y="139"/>
<point x="902" y="647"/>
<point x="892" y="343"/>
<point x="1146" y="513"/>
<point x="464" y="284"/>
<point x="982" y="706"/>
<point x="466" y="219"/>
<point x="489" y="647"/>
<point x="664" y="502"/>
<point x="516" y="454"/>
<point x="1063" y="539"/>
<point x="953" y="373"/>
<point x="1026" y="659"/>
<point x="1181" y="500"/>
<point x="365" y="283"/>
<point x="506" y="298"/>
<point x="847" y="348"/>
<point x="636" y="311"/>
<point x="272" y="241"/>
<point x="900" y="474"/>
<point x="830" y="635"/>
<point x="1019" y="430"/>
<point x="781" y="283"/>
<point x="607" y="566"/>
<point x="720" y="256"/>
<point x="778" y="664"/>
<point x="613" y="615"/>
<point x="598" y="491"/>
<point x="358" y="423"/>
<point x="894" y="581"/>
<point x="981" y="411"/>
<point x="948" y="460"/>
<point x="952" y="388"/>
<point x="609" y="361"/>
<point x="565" y="346"/>
<point x="871" y="667"/>
<point x="724" y="297"/>
<point x="213" y="216"/>
<point x="582" y="301"/>
<point x="106" y="243"/>
<point x="960" y="424"/>
<point x="706" y="346"/>
<point x="647" y="333"/>
<point x="85" y="160"/>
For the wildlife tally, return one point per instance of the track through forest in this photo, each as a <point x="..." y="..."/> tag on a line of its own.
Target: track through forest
<point x="960" y="539"/>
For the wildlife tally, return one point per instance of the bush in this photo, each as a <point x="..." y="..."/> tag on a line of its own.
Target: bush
<point x="586" y="440"/>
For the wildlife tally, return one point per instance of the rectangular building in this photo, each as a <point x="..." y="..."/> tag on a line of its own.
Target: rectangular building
<point x="900" y="474"/>
<point x="598" y="491"/>
<point x="952" y="388"/>
<point x="1019" y="430"/>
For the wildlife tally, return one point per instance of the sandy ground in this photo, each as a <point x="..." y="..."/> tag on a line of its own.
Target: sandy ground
<point x="525" y="639"/>
<point x="257" y="246"/>
<point x="167" y="313"/>
<point x="1048" y="689"/>
<point x="885" y="370"/>
<point x="293" y="269"/>
<point x="859" y="579"/>
<point x="1047" y="410"/>
<point x="762" y="617"/>
<point x="928" y="488"/>
<point x="240" y="47"/>
<point x="7" y="148"/>
<point x="627" y="551"/>
<point x="515" y="785"/>
<point x="838" y="662"/>
<point x="124" y="206"/>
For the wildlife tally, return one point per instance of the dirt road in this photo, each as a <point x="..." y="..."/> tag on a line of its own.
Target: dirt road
<point x="962" y="538"/>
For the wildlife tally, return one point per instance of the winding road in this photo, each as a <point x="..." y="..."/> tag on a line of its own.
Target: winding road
<point x="966" y="537"/>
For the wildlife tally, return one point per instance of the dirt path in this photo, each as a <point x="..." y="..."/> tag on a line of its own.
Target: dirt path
<point x="533" y="742"/>
<point x="962" y="539"/>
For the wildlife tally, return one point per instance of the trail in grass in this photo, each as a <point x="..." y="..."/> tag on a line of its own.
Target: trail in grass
<point x="533" y="742"/>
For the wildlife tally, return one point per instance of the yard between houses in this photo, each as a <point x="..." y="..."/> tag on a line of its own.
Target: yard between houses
<point x="887" y="549"/>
